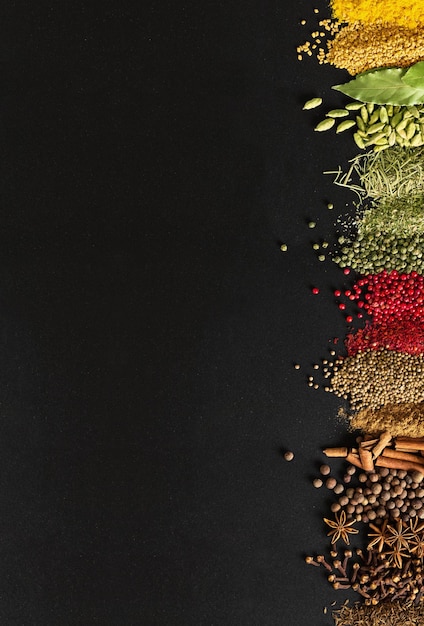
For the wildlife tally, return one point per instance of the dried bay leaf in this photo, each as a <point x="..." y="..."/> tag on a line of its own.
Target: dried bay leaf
<point x="382" y="86"/>
<point x="414" y="76"/>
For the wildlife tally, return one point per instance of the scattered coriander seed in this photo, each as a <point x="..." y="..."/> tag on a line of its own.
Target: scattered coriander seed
<point x="321" y="257"/>
<point x="315" y="246"/>
<point x="330" y="206"/>
<point x="289" y="456"/>
<point x="296" y="366"/>
<point x="312" y="224"/>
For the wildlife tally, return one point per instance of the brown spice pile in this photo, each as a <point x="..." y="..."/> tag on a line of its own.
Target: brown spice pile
<point x="384" y="614"/>
<point x="400" y="419"/>
<point x="358" y="47"/>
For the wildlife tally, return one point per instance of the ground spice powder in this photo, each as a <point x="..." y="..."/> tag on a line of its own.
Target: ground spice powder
<point x="399" y="419"/>
<point x="409" y="13"/>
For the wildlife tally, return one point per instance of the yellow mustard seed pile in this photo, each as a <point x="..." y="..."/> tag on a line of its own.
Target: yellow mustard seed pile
<point x="359" y="46"/>
<point x="408" y="13"/>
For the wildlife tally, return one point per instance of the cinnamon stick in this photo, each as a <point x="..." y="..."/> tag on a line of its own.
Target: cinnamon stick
<point x="410" y="443"/>
<point x="335" y="452"/>
<point x="385" y="461"/>
<point x="384" y="441"/>
<point x="366" y="460"/>
<point x="354" y="459"/>
<point x="406" y="456"/>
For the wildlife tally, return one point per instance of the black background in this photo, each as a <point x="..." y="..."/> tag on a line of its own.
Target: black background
<point x="153" y="158"/>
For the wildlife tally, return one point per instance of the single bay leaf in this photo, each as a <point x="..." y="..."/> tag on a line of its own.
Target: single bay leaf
<point x="414" y="76"/>
<point x="382" y="86"/>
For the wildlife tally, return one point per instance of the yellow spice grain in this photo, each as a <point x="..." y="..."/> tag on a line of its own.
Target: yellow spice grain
<point x="359" y="47"/>
<point x="408" y="13"/>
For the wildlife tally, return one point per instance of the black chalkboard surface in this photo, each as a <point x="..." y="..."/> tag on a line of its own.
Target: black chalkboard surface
<point x="154" y="157"/>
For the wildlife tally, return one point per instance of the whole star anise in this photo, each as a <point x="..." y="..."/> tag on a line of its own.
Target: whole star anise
<point x="340" y="528"/>
<point x="378" y="537"/>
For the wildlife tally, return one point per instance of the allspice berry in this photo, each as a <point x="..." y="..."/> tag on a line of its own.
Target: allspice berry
<point x="330" y="483"/>
<point x="289" y="456"/>
<point x="325" y="470"/>
<point x="317" y="483"/>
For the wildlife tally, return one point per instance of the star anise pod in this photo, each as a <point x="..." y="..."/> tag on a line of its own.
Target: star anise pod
<point x="399" y="536"/>
<point x="379" y="536"/>
<point x="417" y="541"/>
<point x="340" y="528"/>
<point x="395" y="555"/>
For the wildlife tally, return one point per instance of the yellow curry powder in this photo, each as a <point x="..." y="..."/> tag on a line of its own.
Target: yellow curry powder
<point x="408" y="13"/>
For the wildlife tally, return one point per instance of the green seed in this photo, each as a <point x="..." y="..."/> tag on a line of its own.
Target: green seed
<point x="375" y="116"/>
<point x="402" y="124"/>
<point x="353" y="106"/>
<point x="360" y="122"/>
<point x="383" y="115"/>
<point x="375" y="128"/>
<point x="364" y="114"/>
<point x="330" y="206"/>
<point x="417" y="140"/>
<point x="370" y="107"/>
<point x="325" y="124"/>
<point x="312" y="104"/>
<point x="345" y="125"/>
<point x="283" y="247"/>
<point x="338" y="113"/>
<point x="410" y="130"/>
<point x="359" y="141"/>
<point x="395" y="119"/>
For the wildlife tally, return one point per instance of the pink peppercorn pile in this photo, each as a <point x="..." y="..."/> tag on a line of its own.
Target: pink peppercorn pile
<point x="394" y="303"/>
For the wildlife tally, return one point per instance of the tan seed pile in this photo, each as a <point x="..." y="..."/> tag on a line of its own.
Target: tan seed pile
<point x="406" y="419"/>
<point x="374" y="378"/>
<point x="358" y="47"/>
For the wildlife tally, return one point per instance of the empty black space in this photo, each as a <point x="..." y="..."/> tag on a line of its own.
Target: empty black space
<point x="153" y="157"/>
